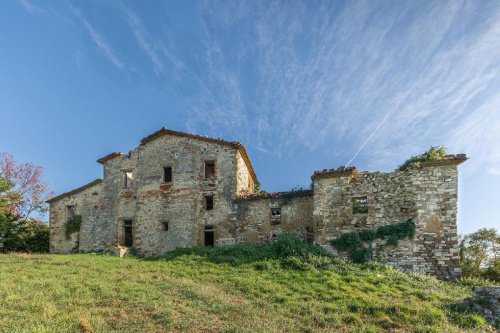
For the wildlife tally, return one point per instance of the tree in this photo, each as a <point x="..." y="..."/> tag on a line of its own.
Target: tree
<point x="480" y="254"/>
<point x="22" y="192"/>
<point x="22" y="189"/>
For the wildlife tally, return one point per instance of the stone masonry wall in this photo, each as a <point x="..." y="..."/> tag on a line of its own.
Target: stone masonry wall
<point x="254" y="220"/>
<point x="427" y="195"/>
<point x="181" y="203"/>
<point x="94" y="233"/>
<point x="487" y="301"/>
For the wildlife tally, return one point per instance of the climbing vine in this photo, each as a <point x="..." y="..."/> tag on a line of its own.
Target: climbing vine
<point x="73" y="225"/>
<point x="353" y="242"/>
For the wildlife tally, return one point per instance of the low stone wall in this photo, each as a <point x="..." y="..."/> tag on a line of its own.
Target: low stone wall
<point x="487" y="301"/>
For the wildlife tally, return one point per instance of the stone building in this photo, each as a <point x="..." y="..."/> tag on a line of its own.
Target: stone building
<point x="179" y="190"/>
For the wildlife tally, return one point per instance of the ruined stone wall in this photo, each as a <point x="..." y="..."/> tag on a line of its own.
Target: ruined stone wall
<point x="427" y="195"/>
<point x="486" y="300"/>
<point x="255" y="223"/>
<point x="94" y="233"/>
<point x="244" y="180"/>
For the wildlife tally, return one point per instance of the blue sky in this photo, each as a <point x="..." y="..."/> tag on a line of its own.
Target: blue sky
<point x="303" y="85"/>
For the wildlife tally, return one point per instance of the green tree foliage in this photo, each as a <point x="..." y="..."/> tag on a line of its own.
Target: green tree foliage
<point x="434" y="153"/>
<point x="480" y="254"/>
<point x="22" y="192"/>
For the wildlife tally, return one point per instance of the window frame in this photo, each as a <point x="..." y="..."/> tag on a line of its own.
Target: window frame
<point x="275" y="218"/>
<point x="206" y="175"/>
<point x="164" y="178"/>
<point x="206" y="202"/>
<point x="358" y="207"/>
<point x="128" y="182"/>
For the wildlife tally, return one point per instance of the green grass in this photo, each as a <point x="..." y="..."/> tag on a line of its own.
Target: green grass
<point x="232" y="289"/>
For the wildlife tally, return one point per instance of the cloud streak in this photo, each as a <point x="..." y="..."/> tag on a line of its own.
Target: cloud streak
<point x="143" y="38"/>
<point x="389" y="80"/>
<point x="32" y="9"/>
<point x="103" y="46"/>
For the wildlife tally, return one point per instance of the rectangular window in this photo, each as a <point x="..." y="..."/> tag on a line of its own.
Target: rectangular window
<point x="128" y="238"/>
<point x="209" y="169"/>
<point x="275" y="215"/>
<point x="165" y="225"/>
<point x="128" y="179"/>
<point x="209" y="202"/>
<point x="209" y="235"/>
<point x="70" y="211"/>
<point x="167" y="174"/>
<point x="360" y="205"/>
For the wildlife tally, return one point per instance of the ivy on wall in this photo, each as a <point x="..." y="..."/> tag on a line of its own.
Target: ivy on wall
<point x="353" y="242"/>
<point x="73" y="225"/>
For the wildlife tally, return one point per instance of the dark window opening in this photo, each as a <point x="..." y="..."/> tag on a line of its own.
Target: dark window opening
<point x="209" y="236"/>
<point x="275" y="215"/>
<point x="70" y="211"/>
<point x="167" y="174"/>
<point x="128" y="239"/>
<point x="209" y="202"/>
<point x="209" y="169"/>
<point x="165" y="226"/>
<point x="309" y="235"/>
<point x="128" y="179"/>
<point x="360" y="205"/>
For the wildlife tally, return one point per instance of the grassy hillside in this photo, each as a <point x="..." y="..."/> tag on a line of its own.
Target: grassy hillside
<point x="242" y="289"/>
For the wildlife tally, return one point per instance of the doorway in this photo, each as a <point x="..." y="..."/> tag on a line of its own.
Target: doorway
<point x="128" y="237"/>
<point x="209" y="235"/>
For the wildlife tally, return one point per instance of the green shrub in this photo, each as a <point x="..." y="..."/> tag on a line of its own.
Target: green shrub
<point x="35" y="236"/>
<point x="347" y="242"/>
<point x="367" y="235"/>
<point x="433" y="154"/>
<point x="73" y="225"/>
<point x="361" y="255"/>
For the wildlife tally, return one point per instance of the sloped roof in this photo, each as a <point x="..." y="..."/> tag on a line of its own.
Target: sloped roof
<point x="108" y="157"/>
<point x="165" y="131"/>
<point x="75" y="191"/>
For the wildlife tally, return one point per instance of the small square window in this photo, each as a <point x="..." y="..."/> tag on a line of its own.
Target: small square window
<point x="209" y="169"/>
<point x="275" y="215"/>
<point x="209" y="202"/>
<point x="360" y="205"/>
<point x="167" y="174"/>
<point x="128" y="179"/>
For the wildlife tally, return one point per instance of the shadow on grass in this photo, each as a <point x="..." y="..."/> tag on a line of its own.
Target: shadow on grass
<point x="462" y="315"/>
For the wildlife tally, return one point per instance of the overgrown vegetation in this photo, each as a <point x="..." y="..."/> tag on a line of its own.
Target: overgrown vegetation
<point x="354" y="242"/>
<point x="480" y="255"/>
<point x="433" y="154"/>
<point x="285" y="287"/>
<point x="286" y="246"/>
<point x="72" y="225"/>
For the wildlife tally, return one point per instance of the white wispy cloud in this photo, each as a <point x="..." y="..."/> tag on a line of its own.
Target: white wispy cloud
<point x="145" y="41"/>
<point x="32" y="9"/>
<point x="99" y="40"/>
<point x="360" y="80"/>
